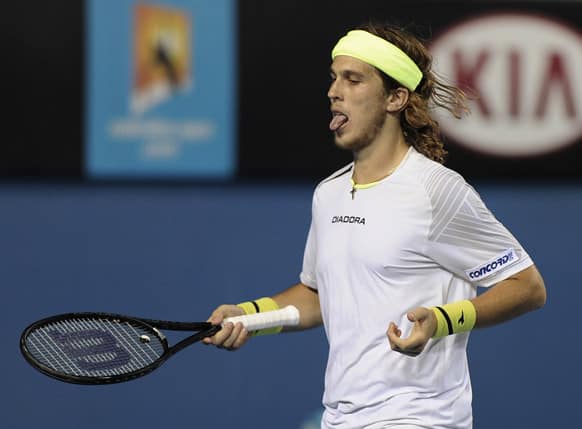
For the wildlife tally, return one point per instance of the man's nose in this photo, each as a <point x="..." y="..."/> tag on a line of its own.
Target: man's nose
<point x="334" y="93"/>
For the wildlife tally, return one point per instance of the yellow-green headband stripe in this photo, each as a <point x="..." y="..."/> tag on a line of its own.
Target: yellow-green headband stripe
<point x="381" y="54"/>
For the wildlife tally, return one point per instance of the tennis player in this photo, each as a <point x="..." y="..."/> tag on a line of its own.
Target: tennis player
<point x="397" y="247"/>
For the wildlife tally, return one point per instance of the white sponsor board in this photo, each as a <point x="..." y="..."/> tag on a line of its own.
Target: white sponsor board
<point x="525" y="71"/>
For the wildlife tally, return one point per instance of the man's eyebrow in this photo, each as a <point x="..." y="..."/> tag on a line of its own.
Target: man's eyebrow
<point x="353" y="73"/>
<point x="347" y="73"/>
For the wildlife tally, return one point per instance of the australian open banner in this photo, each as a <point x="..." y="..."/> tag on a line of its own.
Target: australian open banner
<point x="160" y="89"/>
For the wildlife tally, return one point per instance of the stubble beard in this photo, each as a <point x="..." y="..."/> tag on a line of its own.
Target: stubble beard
<point x="362" y="141"/>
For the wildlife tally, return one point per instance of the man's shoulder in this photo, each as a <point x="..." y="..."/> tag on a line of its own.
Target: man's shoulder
<point x="343" y="172"/>
<point x="435" y="176"/>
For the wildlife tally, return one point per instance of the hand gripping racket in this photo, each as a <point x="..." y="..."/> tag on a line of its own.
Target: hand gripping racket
<point x="103" y="348"/>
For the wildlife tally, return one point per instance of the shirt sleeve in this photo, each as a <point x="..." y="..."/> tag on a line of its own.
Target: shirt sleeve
<point x="307" y="275"/>
<point x="465" y="237"/>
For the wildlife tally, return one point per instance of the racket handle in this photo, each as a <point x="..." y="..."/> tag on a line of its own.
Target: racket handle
<point x="287" y="316"/>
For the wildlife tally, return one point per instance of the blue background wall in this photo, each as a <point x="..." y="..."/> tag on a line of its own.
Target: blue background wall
<point x="176" y="252"/>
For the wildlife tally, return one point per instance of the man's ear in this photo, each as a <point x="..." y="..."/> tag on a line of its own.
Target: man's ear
<point x="397" y="99"/>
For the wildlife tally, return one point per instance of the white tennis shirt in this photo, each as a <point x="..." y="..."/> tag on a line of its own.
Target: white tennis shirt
<point x="420" y="237"/>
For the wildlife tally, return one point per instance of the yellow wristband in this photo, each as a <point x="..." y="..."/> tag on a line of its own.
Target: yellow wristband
<point x="259" y="306"/>
<point x="249" y="307"/>
<point x="454" y="318"/>
<point x="266" y="304"/>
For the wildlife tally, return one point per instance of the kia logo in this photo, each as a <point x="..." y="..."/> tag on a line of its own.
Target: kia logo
<point x="525" y="72"/>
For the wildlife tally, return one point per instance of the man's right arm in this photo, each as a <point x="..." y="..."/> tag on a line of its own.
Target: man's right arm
<point x="306" y="300"/>
<point x="232" y="337"/>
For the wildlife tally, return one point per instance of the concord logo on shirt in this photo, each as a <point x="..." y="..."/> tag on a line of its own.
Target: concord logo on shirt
<point x="485" y="270"/>
<point x="349" y="219"/>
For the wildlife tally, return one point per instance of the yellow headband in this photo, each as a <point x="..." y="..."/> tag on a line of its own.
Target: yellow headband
<point x="381" y="54"/>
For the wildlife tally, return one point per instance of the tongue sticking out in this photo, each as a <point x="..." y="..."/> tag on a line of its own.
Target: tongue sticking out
<point x="337" y="121"/>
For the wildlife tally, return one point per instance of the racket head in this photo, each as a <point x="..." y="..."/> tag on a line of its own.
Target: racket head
<point x="93" y="348"/>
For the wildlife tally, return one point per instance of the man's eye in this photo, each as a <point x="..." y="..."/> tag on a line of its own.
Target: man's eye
<point x="353" y="81"/>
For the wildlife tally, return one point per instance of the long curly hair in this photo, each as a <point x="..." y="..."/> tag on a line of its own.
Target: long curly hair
<point x="420" y="129"/>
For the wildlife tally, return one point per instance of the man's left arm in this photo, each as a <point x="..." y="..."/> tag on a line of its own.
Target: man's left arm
<point x="519" y="294"/>
<point x="510" y="298"/>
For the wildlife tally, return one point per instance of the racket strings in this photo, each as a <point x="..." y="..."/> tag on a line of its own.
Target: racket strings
<point x="94" y="347"/>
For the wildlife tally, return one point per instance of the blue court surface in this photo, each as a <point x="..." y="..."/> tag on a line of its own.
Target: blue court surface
<point x="175" y="252"/>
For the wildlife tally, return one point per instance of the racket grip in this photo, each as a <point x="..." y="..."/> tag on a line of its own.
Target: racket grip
<point x="287" y="316"/>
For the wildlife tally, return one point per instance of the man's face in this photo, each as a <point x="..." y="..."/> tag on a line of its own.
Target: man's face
<point x="358" y="103"/>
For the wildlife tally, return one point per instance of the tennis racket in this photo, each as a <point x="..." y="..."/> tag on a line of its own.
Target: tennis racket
<point x="103" y="348"/>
